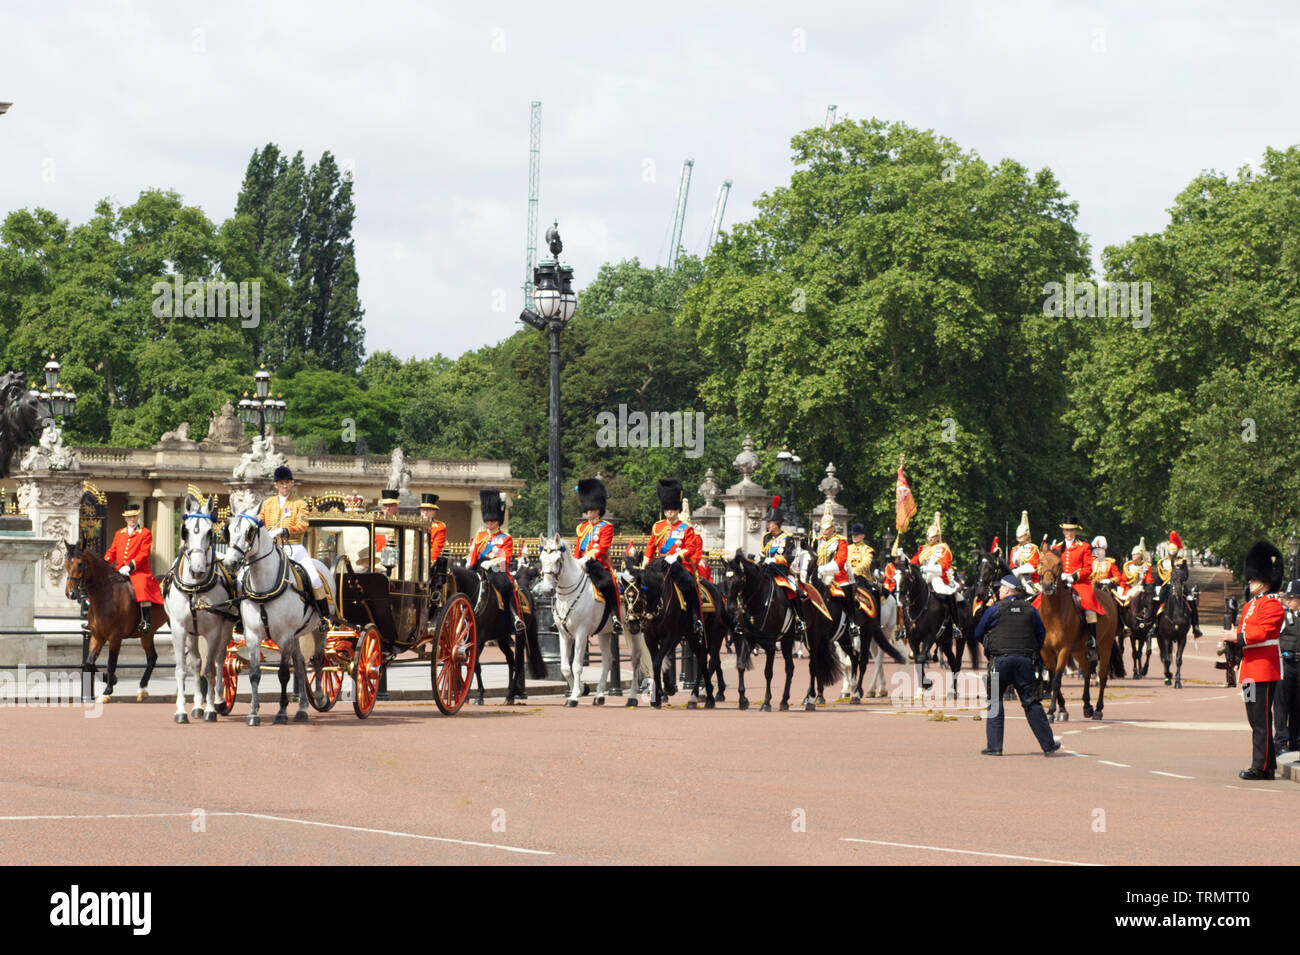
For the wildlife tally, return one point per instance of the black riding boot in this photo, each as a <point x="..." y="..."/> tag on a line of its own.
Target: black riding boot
<point x="145" y="620"/>
<point x="1196" y="619"/>
<point x="1091" y="652"/>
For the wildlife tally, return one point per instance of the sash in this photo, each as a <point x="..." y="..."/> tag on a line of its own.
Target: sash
<point x="672" y="539"/>
<point x="587" y="537"/>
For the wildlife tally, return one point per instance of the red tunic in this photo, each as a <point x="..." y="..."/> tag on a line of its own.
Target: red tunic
<point x="936" y="553"/>
<point x="595" y="540"/>
<point x="1026" y="554"/>
<point x="678" y="538"/>
<point x="1261" y="626"/>
<point x="134" y="549"/>
<point x="437" y="541"/>
<point x="500" y="545"/>
<point x="890" y="571"/>
<point x="1076" y="559"/>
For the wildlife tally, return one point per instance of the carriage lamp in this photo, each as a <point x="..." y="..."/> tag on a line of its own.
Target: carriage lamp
<point x="60" y="403"/>
<point x="388" y="556"/>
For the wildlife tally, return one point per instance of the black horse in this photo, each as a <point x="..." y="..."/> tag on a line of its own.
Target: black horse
<point x="925" y="622"/>
<point x="658" y="612"/>
<point x="1172" y="625"/>
<point x="494" y="623"/>
<point x="768" y="619"/>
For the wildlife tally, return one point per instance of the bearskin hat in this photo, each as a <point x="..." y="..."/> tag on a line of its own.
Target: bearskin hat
<point x="670" y="494"/>
<point x="591" y="494"/>
<point x="493" y="507"/>
<point x="1263" y="562"/>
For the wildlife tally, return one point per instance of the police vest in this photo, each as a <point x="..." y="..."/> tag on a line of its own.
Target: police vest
<point x="1289" y="639"/>
<point x="1012" y="634"/>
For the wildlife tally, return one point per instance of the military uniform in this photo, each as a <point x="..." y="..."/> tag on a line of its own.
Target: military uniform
<point x="1259" y="634"/>
<point x="833" y="568"/>
<point x="679" y="544"/>
<point x="437" y="529"/>
<point x="1173" y="553"/>
<point x="493" y="552"/>
<point x="129" y="554"/>
<point x="1025" y="556"/>
<point x="1076" y="570"/>
<point x="1286" y="706"/>
<point x="1137" y="573"/>
<point x="594" y="541"/>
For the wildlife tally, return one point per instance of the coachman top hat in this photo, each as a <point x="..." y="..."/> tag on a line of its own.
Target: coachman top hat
<point x="429" y="500"/>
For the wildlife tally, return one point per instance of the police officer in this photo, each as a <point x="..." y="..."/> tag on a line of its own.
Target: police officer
<point x="1258" y="635"/>
<point x="1286" y="706"/>
<point x="1012" y="633"/>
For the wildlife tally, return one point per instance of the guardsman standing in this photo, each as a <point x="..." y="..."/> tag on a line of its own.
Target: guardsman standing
<point x="678" y="543"/>
<point x="595" y="536"/>
<point x="285" y="518"/>
<point x="1012" y="633"/>
<point x="1286" y="711"/>
<point x="493" y="549"/>
<point x="1259" y="635"/>
<point x="129" y="553"/>
<point x="437" y="529"/>
<point x="1076" y="570"/>
<point x="1024" y="556"/>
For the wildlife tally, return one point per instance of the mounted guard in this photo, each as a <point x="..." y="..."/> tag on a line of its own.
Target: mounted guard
<point x="1076" y="570"/>
<point x="492" y="550"/>
<point x="778" y="551"/>
<point x="595" y="536"/>
<point x="678" y="543"/>
<point x="935" y="561"/>
<point x="129" y="553"/>
<point x="834" y="571"/>
<point x="1137" y="572"/>
<point x="1105" y="573"/>
<point x="1173" y="552"/>
<point x="1025" y="556"/>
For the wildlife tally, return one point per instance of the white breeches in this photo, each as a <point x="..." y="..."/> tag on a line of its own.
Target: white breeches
<point x="299" y="553"/>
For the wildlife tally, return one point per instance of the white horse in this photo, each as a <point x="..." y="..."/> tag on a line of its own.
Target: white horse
<point x="889" y="625"/>
<point x="199" y="603"/>
<point x="577" y="615"/>
<point x="269" y="592"/>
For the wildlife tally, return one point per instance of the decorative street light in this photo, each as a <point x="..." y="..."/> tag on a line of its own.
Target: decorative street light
<point x="264" y="409"/>
<point x="60" y="403"/>
<point x="1293" y="567"/>
<point x="788" y="466"/>
<point x="556" y="302"/>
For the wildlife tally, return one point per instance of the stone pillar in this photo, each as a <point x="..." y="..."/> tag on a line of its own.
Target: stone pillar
<point x="830" y="487"/>
<point x="22" y="556"/>
<point x="708" y="519"/>
<point x="743" y="506"/>
<point x="475" y="516"/>
<point x="52" y="500"/>
<point x="164" y="533"/>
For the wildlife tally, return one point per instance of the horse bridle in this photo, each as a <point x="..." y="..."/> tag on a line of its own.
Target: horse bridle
<point x="563" y="595"/>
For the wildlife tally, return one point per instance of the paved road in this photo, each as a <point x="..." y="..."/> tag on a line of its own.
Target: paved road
<point x="880" y="783"/>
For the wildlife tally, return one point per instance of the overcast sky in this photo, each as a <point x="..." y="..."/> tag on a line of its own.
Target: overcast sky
<point x="429" y="104"/>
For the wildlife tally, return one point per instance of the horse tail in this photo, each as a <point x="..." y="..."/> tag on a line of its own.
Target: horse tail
<point x="825" y="667"/>
<point x="744" y="652"/>
<point x="536" y="665"/>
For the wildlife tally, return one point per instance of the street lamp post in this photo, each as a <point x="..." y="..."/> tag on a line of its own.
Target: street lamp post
<point x="556" y="302"/>
<point x="264" y="409"/>
<point x="1293" y="564"/>
<point x="788" y="466"/>
<point x="59" y="403"/>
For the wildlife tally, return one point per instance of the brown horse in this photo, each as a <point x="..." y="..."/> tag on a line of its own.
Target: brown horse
<point x="114" y="615"/>
<point x="1067" y="637"/>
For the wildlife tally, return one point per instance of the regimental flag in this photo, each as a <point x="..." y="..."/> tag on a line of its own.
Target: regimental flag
<point x="904" y="503"/>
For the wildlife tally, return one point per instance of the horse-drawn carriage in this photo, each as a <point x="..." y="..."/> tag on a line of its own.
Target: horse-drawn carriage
<point x="390" y="601"/>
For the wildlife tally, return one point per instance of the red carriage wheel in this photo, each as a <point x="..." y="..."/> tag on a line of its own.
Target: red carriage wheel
<point x="455" y="651"/>
<point x="366" y="671"/>
<point x="324" y="695"/>
<point x="230" y="667"/>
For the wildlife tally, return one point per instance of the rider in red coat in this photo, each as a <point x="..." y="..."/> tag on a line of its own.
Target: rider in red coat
<point x="1076" y="570"/>
<point x="676" y="541"/>
<point x="1261" y="659"/>
<point x="595" y="536"/>
<point x="129" y="553"/>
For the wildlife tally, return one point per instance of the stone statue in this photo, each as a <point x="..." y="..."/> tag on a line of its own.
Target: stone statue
<point x="260" y="463"/>
<point x="178" y="440"/>
<point x="399" y="473"/>
<point x="50" y="454"/>
<point x="21" y="416"/>
<point x="225" y="431"/>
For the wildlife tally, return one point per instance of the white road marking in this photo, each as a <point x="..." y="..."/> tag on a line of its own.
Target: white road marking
<point x="1202" y="699"/>
<point x="300" y="822"/>
<point x="1071" y="732"/>
<point x="1254" y="789"/>
<point x="1172" y="775"/>
<point x="968" y="852"/>
<point x="1107" y="762"/>
<point x="1090" y="728"/>
<point x="1160" y="725"/>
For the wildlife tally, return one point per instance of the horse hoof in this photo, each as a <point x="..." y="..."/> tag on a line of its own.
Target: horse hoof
<point x="1168" y="681"/>
<point x="692" y="704"/>
<point x="631" y="701"/>
<point x="710" y="704"/>
<point x="106" y="699"/>
<point x="822" y="700"/>
<point x="765" y="708"/>
<point x="280" y="720"/>
<point x="569" y="703"/>
<point x="254" y="721"/>
<point x="142" y="696"/>
<point x="721" y="697"/>
<point x="784" y="707"/>
<point x="598" y="701"/>
<point x="510" y="700"/>
<point x="180" y="718"/>
<point x="743" y="704"/>
<point x="855" y="700"/>
<point x="1051" y="717"/>
<point x="1178" y="684"/>
<point x="655" y="704"/>
<point x="1065" y="717"/>
<point x="477" y="701"/>
<point x="810" y="707"/>
<point x="300" y="716"/>
<point x="1087" y="712"/>
<point x="1096" y="715"/>
<point x="196" y="713"/>
<point x="210" y="716"/>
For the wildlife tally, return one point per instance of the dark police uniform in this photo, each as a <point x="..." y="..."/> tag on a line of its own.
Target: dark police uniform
<point x="1286" y="704"/>
<point x="1012" y="633"/>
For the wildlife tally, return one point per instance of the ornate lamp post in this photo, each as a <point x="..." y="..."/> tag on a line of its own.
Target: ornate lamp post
<point x="788" y="466"/>
<point x="59" y="403"/>
<point x="264" y="409"/>
<point x="556" y="302"/>
<point x="1293" y="549"/>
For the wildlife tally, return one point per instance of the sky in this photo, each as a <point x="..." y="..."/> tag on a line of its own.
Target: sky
<point x="428" y="104"/>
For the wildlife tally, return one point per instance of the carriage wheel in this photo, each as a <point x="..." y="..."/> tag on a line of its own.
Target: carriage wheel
<point x="230" y="667"/>
<point x="366" y="671"/>
<point x="454" y="654"/>
<point x="331" y="681"/>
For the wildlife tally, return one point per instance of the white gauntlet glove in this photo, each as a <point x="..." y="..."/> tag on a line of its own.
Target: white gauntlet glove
<point x="673" y="558"/>
<point x="279" y="532"/>
<point x="124" y="570"/>
<point x="1069" y="578"/>
<point x="1024" y="570"/>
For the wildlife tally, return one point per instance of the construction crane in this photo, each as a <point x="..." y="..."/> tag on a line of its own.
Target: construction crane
<point x="534" y="174"/>
<point x="679" y="220"/>
<point x="830" y="116"/>
<point x="719" y="206"/>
